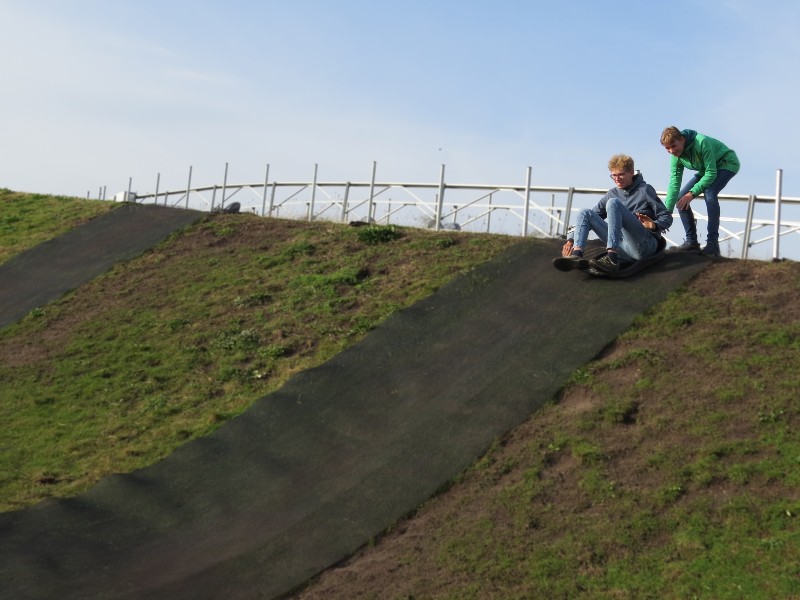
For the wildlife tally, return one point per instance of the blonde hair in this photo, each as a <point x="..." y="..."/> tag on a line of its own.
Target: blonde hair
<point x="621" y="161"/>
<point x="670" y="134"/>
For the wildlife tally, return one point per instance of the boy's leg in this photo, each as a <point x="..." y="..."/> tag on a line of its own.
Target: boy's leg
<point x="690" y="227"/>
<point x="575" y="260"/>
<point x="589" y="221"/>
<point x="626" y="234"/>
<point x="688" y="218"/>
<point x="712" y="205"/>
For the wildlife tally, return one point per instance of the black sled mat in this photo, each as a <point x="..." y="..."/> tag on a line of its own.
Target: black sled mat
<point x="45" y="272"/>
<point x="312" y="472"/>
<point x="595" y="250"/>
<point x="626" y="270"/>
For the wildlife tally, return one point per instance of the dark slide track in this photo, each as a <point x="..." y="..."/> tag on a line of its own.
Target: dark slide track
<point x="316" y="469"/>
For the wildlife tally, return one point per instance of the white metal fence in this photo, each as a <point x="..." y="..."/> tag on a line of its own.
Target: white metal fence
<point x="752" y="226"/>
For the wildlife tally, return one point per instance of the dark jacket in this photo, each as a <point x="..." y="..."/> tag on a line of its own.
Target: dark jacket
<point x="639" y="197"/>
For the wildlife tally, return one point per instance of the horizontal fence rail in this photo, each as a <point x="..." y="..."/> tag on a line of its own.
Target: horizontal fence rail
<point x="748" y="221"/>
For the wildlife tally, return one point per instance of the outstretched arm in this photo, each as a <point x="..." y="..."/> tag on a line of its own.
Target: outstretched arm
<point x="675" y="177"/>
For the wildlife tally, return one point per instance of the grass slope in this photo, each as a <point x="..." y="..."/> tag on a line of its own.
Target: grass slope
<point x="166" y="347"/>
<point x="28" y="219"/>
<point x="667" y="468"/>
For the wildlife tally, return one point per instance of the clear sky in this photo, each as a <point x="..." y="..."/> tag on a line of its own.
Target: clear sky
<point x="95" y="92"/>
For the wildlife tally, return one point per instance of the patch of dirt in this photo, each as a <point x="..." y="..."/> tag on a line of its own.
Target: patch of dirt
<point x="407" y="561"/>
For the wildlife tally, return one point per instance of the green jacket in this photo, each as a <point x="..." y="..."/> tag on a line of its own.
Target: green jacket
<point x="702" y="154"/>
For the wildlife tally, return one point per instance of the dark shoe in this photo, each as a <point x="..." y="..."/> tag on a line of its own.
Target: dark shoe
<point x="710" y="250"/>
<point x="567" y="263"/>
<point x="688" y="246"/>
<point x="605" y="264"/>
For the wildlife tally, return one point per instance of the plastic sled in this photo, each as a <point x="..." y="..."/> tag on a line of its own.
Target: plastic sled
<point x="628" y="269"/>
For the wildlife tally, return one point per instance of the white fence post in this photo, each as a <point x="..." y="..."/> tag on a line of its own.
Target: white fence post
<point x="440" y="200"/>
<point x="188" y="186"/>
<point x="748" y="224"/>
<point x="370" y="208"/>
<point x="345" y="201"/>
<point x="313" y="194"/>
<point x="777" y="241"/>
<point x="568" y="210"/>
<point x="264" y="194"/>
<point x="526" y="211"/>
<point x="224" y="187"/>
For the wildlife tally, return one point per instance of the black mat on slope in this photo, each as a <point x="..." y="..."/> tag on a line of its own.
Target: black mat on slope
<point x="313" y="471"/>
<point x="45" y="272"/>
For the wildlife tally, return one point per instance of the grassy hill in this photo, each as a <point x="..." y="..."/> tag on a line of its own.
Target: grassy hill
<point x="166" y="347"/>
<point x="667" y="468"/>
<point x="28" y="219"/>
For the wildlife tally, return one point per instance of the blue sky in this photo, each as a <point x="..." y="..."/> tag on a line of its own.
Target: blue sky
<point x="97" y="92"/>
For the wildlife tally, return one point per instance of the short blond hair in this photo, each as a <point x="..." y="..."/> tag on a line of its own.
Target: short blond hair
<point x="621" y="161"/>
<point x="670" y="134"/>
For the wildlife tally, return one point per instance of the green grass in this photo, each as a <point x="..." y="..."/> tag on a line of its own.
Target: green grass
<point x="667" y="468"/>
<point x="167" y="347"/>
<point x="673" y="483"/>
<point x="28" y="219"/>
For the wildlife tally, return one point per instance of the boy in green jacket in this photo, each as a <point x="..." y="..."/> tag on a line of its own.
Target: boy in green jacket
<point x="715" y="163"/>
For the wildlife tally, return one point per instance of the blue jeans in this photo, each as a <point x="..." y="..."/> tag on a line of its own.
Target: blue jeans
<point x="623" y="232"/>
<point x="712" y="207"/>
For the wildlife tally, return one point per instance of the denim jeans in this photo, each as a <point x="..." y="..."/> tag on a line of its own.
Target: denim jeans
<point x="623" y="232"/>
<point x="712" y="207"/>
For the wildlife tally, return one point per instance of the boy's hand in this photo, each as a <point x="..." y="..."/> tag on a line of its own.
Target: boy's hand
<point x="646" y="221"/>
<point x="683" y="203"/>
